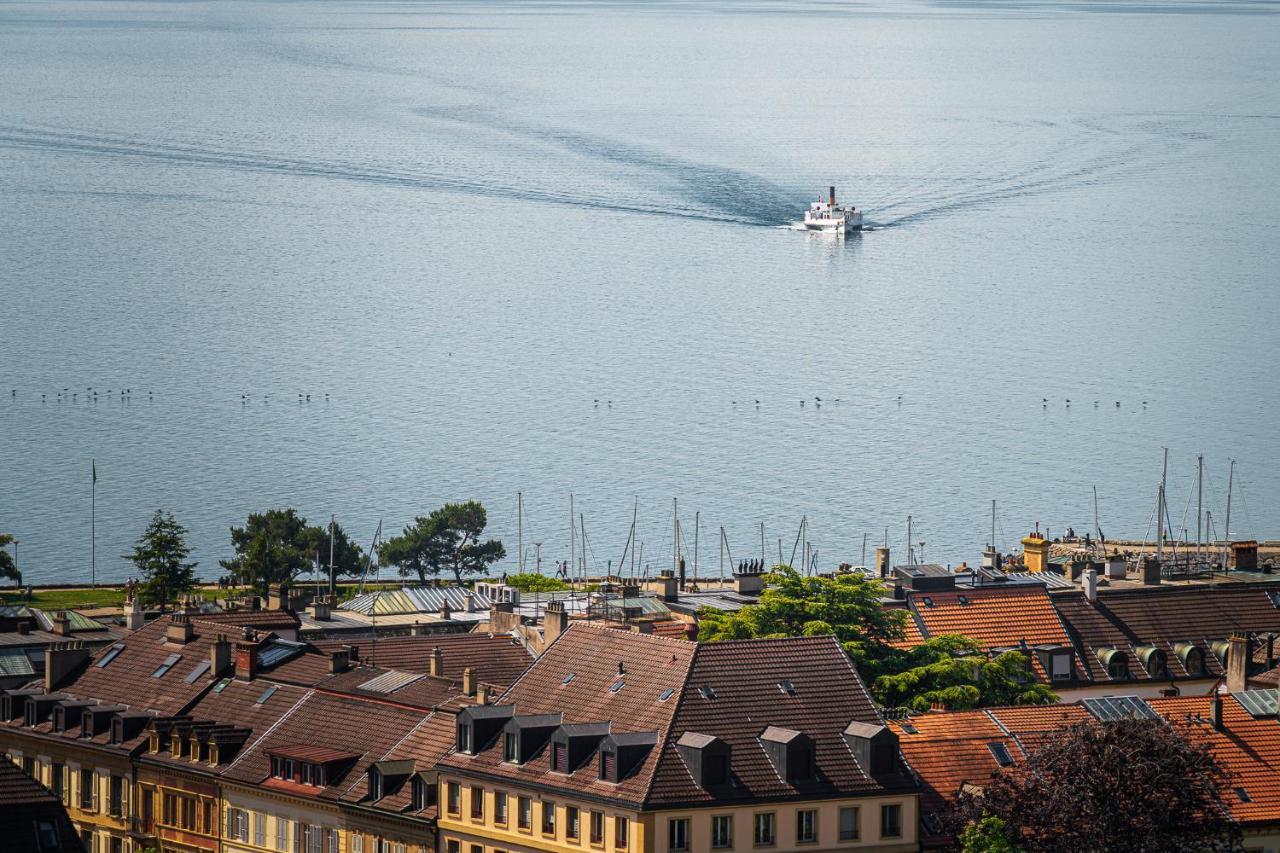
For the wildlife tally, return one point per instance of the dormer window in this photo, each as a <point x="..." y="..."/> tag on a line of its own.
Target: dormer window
<point x="791" y="753"/>
<point x="706" y="757"/>
<point x="1192" y="657"/>
<point x="1116" y="662"/>
<point x="1153" y="661"/>
<point x="465" y="739"/>
<point x="874" y="747"/>
<point x="511" y="747"/>
<point x="418" y="794"/>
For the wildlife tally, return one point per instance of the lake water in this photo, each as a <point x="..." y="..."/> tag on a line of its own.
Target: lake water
<point x="536" y="246"/>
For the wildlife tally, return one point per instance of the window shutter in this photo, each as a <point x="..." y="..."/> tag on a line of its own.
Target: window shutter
<point x="610" y="766"/>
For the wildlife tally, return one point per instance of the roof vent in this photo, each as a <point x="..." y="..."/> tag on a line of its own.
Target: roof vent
<point x="707" y="691"/>
<point x="787" y="687"/>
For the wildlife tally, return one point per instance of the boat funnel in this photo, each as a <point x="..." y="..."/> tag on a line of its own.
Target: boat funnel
<point x="832" y="201"/>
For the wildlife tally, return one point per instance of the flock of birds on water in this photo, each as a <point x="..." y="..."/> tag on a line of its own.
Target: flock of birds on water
<point x="125" y="395"/>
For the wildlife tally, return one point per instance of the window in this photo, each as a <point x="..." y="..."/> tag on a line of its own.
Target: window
<point x="166" y="665"/>
<point x="524" y="812"/>
<point x="1001" y="754"/>
<point x="58" y="782"/>
<point x="559" y="758"/>
<point x="282" y="834"/>
<point x="452" y="846"/>
<point x="548" y="818"/>
<point x="849" y="824"/>
<point x="115" y="796"/>
<point x="477" y="802"/>
<point x="117" y="845"/>
<point x="47" y="840"/>
<point x="678" y="833"/>
<point x="597" y="828"/>
<point x="260" y="829"/>
<point x="715" y="768"/>
<point x="511" y="748"/>
<point x="418" y="794"/>
<point x="571" y="822"/>
<point x="890" y="821"/>
<point x="500" y="808"/>
<point x="1062" y="667"/>
<point x="477" y="848"/>
<point x="357" y="843"/>
<point x="237" y="824"/>
<point x="621" y="832"/>
<point x="88" y="791"/>
<point x="464" y="737"/>
<point x="806" y="826"/>
<point x="722" y="831"/>
<point x="764" y="830"/>
<point x="454" y="798"/>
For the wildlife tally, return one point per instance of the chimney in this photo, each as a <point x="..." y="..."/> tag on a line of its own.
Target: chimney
<point x="1238" y="664"/>
<point x="1215" y="711"/>
<point x="469" y="681"/>
<point x="1271" y="651"/>
<point x="1116" y="567"/>
<point x="435" y="663"/>
<point x="554" y="621"/>
<point x="482" y="694"/>
<point x="645" y="627"/>
<point x="1077" y="567"/>
<point x="133" y="616"/>
<point x="219" y="656"/>
<point x="469" y="598"/>
<point x="832" y="201"/>
<point x="340" y="660"/>
<point x="882" y="562"/>
<point x="1090" y="583"/>
<point x="319" y="609"/>
<point x="60" y="661"/>
<point x="179" y="630"/>
<point x="445" y="612"/>
<point x="1150" y="571"/>
<point x="24" y="627"/>
<point x="681" y="579"/>
<point x="62" y="624"/>
<point x="246" y="659"/>
<point x="417" y="629"/>
<point x="275" y="597"/>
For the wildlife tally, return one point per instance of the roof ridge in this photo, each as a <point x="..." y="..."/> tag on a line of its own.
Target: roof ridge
<point x="249" y="747"/>
<point x="615" y="631"/>
<point x="671" y="724"/>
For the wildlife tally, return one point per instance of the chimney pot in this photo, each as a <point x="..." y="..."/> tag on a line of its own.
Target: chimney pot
<point x="1091" y="584"/>
<point x="469" y="681"/>
<point x="62" y="624"/>
<point x="246" y="660"/>
<point x="482" y="694"/>
<point x="340" y="660"/>
<point x="179" y="630"/>
<point x="436" y="662"/>
<point x="219" y="655"/>
<point x="446" y="613"/>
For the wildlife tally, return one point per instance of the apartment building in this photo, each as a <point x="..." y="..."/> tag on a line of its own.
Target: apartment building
<point x="619" y="741"/>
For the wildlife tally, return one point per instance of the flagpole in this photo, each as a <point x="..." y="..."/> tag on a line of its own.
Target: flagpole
<point x="93" y="525"/>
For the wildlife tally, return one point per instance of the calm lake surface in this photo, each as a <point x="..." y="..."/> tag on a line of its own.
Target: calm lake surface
<point x="539" y="247"/>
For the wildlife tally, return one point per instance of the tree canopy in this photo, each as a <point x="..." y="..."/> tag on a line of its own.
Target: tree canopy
<point x="8" y="568"/>
<point x="531" y="582"/>
<point x="950" y="669"/>
<point x="1128" y="786"/>
<point x="449" y="539"/>
<point x="276" y="545"/>
<point x="160" y="557"/>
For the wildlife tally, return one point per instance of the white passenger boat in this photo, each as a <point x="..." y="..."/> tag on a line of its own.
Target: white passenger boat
<point x="833" y="218"/>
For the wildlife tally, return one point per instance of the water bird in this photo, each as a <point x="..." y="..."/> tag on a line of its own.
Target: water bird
<point x="1117" y="404"/>
<point x="819" y="399"/>
<point x="802" y="404"/>
<point x="757" y="402"/>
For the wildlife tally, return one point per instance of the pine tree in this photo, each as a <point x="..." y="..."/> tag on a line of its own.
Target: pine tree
<point x="160" y="558"/>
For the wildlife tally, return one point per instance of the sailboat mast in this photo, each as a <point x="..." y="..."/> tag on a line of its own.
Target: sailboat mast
<point x="697" y="522"/>
<point x="993" y="523"/>
<point x="573" y="545"/>
<point x="910" y="554"/>
<point x="1199" y="501"/>
<point x="1164" y="474"/>
<point x="1097" y="528"/>
<point x="1231" y="473"/>
<point x="675" y="535"/>
<point x="520" y="531"/>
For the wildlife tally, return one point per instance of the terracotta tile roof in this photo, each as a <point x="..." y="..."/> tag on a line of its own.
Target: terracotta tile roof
<point x="944" y="765"/>
<point x="313" y="754"/>
<point x="994" y="618"/>
<point x="912" y="634"/>
<point x="424" y="692"/>
<point x="262" y="620"/>
<point x="496" y="659"/>
<point x="732" y="691"/>
<point x="672" y="628"/>
<point x="17" y="788"/>
<point x="1029" y="719"/>
<point x="129" y="677"/>
<point x="425" y="745"/>
<point x="826" y="695"/>
<point x="357" y="726"/>
<point x="306" y="670"/>
<point x="591" y="655"/>
<point x="944" y="726"/>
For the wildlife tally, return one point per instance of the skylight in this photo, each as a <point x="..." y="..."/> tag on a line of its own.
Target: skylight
<point x="1001" y="754"/>
<point x="166" y="665"/>
<point x="221" y="685"/>
<point x="787" y="687"/>
<point x="616" y="686"/>
<point x="928" y="602"/>
<point x="910" y="729"/>
<point x="1243" y="795"/>
<point x="266" y="694"/>
<point x="201" y="669"/>
<point x="963" y="599"/>
<point x="707" y="691"/>
<point x="666" y="694"/>
<point x="111" y="655"/>
<point x="568" y="678"/>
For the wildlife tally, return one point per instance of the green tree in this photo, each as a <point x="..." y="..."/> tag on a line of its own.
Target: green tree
<point x="348" y="557"/>
<point x="531" y="582"/>
<point x="8" y="568"/>
<point x="1128" y="786"/>
<point x="160" y="557"/>
<point x="952" y="670"/>
<point x="794" y="605"/>
<point x="989" y="834"/>
<point x="273" y="547"/>
<point x="448" y="539"/>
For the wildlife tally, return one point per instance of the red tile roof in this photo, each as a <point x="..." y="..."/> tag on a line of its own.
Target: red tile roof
<point x="495" y="658"/>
